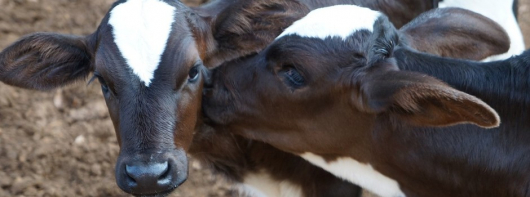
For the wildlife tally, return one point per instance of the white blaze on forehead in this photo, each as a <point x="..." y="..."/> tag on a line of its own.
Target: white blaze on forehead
<point x="339" y="20"/>
<point x="141" y="29"/>
<point x="363" y="175"/>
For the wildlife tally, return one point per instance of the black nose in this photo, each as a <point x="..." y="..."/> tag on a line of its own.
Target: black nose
<point x="155" y="176"/>
<point x="150" y="176"/>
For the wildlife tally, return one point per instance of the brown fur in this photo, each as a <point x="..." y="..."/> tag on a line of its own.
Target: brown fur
<point x="456" y="37"/>
<point x="354" y="102"/>
<point x="249" y="26"/>
<point x="40" y="57"/>
<point x="419" y="100"/>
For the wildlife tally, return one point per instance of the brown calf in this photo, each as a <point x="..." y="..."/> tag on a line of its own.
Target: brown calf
<point x="340" y="101"/>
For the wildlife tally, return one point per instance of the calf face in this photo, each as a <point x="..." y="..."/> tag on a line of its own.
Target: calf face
<point x="149" y="57"/>
<point x="321" y="89"/>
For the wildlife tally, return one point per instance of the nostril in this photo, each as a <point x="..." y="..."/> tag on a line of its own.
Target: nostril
<point x="148" y="176"/>
<point x="131" y="178"/>
<point x="165" y="178"/>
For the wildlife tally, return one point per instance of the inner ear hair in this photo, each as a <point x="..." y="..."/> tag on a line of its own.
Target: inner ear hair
<point x="422" y="100"/>
<point x="441" y="106"/>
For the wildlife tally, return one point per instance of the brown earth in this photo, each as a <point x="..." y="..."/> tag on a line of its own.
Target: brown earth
<point x="62" y="143"/>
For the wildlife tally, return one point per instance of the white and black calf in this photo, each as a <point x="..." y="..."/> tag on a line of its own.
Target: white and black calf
<point x="339" y="100"/>
<point x="149" y="57"/>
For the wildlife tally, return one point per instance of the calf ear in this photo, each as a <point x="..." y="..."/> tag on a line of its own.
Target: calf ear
<point x="424" y="101"/>
<point x="456" y="33"/>
<point x="249" y="26"/>
<point x="44" y="61"/>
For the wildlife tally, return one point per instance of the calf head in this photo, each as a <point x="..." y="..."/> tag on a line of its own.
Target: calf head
<point x="149" y="57"/>
<point x="321" y="89"/>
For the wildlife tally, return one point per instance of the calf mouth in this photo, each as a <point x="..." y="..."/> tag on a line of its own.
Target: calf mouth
<point x="161" y="194"/>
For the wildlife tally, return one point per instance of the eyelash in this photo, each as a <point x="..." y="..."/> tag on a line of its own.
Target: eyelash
<point x="104" y="87"/>
<point x="292" y="76"/>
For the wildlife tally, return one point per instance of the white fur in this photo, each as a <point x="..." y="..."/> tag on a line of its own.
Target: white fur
<point x="499" y="11"/>
<point x="361" y="174"/>
<point x="261" y="184"/>
<point x="333" y="21"/>
<point x="141" y="29"/>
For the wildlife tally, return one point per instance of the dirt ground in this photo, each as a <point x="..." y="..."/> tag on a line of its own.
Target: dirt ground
<point x="62" y="143"/>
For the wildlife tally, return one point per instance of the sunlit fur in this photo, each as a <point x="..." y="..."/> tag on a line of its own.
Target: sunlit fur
<point x="333" y="21"/>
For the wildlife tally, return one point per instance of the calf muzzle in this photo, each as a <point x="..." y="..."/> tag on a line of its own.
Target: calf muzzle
<point x="151" y="174"/>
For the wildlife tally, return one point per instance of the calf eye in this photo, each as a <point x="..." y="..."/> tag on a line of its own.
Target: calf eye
<point x="104" y="87"/>
<point x="193" y="75"/>
<point x="292" y="77"/>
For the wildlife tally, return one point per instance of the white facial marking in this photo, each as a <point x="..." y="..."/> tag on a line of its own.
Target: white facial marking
<point x="500" y="12"/>
<point x="361" y="174"/>
<point x="261" y="184"/>
<point x="141" y="29"/>
<point x="339" y="20"/>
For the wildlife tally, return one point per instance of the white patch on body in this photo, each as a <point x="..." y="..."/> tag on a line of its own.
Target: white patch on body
<point x="339" y="20"/>
<point x="141" y="29"/>
<point x="499" y="11"/>
<point x="361" y="174"/>
<point x="261" y="184"/>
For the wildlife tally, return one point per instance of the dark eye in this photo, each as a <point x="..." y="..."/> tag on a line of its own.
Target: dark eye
<point x="193" y="75"/>
<point x="292" y="76"/>
<point x="104" y="87"/>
